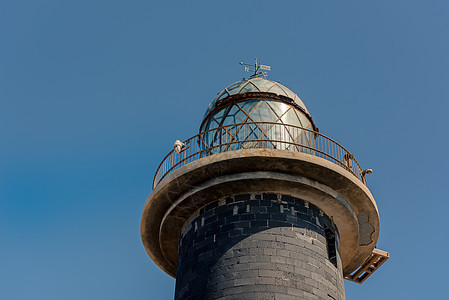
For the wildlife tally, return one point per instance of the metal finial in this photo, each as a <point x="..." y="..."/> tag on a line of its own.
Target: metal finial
<point x="257" y="66"/>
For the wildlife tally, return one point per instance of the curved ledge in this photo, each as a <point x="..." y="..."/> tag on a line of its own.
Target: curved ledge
<point x="336" y="191"/>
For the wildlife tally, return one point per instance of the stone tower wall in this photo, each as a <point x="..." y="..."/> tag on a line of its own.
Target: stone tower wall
<point x="266" y="246"/>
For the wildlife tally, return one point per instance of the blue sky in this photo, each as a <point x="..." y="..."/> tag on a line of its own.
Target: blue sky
<point x="93" y="94"/>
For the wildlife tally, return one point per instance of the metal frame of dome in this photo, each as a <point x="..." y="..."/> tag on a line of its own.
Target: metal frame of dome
<point x="255" y="96"/>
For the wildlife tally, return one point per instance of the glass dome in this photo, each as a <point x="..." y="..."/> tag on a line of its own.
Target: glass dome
<point x="257" y="120"/>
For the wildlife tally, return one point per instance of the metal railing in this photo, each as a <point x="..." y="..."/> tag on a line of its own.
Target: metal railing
<point x="263" y="135"/>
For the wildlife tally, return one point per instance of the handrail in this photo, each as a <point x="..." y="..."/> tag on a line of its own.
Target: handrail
<point x="265" y="135"/>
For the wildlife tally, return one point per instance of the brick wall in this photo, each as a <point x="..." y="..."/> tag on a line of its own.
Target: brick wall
<point x="267" y="246"/>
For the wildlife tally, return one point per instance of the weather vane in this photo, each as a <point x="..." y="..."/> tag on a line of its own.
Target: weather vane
<point x="257" y="66"/>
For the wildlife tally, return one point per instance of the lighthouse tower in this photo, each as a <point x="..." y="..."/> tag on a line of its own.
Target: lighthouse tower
<point x="260" y="205"/>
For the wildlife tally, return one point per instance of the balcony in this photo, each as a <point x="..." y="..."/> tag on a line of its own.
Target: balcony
<point x="260" y="135"/>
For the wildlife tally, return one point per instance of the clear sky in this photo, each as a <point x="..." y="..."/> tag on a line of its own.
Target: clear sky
<point x="94" y="93"/>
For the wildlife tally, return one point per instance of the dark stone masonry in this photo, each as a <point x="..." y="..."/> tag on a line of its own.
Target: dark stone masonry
<point x="267" y="246"/>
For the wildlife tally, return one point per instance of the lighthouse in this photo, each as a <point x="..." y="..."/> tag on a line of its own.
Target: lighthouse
<point x="260" y="204"/>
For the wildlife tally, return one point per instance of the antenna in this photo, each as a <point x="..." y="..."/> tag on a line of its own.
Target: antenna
<point x="257" y="66"/>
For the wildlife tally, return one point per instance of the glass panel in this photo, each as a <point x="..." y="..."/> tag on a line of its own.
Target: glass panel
<point x="279" y="134"/>
<point x="234" y="115"/>
<point x="255" y="137"/>
<point x="211" y="124"/>
<point x="219" y="114"/>
<point x="254" y="132"/>
<point x="263" y="113"/>
<point x="249" y="87"/>
<point x="262" y="84"/>
<point x="235" y="87"/>
<point x="305" y="139"/>
<point x="278" y="107"/>
<point x="248" y="105"/>
<point x="311" y="138"/>
<point x="304" y="121"/>
<point x="277" y="90"/>
<point x="216" y="140"/>
<point x="240" y="117"/>
<point x="291" y="118"/>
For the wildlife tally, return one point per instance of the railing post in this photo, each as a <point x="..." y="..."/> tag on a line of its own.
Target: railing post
<point x="348" y="159"/>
